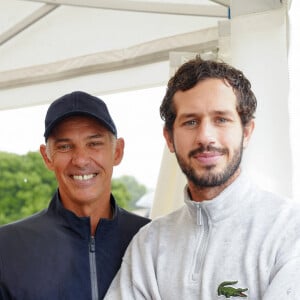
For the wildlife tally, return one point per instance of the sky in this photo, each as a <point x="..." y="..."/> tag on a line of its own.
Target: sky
<point x="136" y="115"/>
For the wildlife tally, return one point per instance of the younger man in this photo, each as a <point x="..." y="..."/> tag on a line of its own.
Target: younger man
<point x="231" y="239"/>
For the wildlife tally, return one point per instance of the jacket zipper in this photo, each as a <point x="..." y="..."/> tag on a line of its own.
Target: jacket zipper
<point x="93" y="268"/>
<point x="202" y="222"/>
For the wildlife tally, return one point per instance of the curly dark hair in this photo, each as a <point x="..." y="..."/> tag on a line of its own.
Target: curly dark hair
<point x="196" y="70"/>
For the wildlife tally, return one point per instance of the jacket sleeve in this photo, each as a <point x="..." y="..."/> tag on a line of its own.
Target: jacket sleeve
<point x="136" y="278"/>
<point x="285" y="275"/>
<point x="285" y="284"/>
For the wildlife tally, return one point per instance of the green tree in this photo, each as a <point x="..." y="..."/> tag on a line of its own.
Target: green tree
<point x="134" y="188"/>
<point x="121" y="194"/>
<point x="26" y="186"/>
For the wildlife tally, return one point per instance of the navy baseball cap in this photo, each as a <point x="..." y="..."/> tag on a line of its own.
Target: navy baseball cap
<point x="78" y="103"/>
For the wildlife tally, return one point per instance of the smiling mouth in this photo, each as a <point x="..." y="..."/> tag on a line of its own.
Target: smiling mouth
<point x="208" y="158"/>
<point x="207" y="152"/>
<point x="84" y="177"/>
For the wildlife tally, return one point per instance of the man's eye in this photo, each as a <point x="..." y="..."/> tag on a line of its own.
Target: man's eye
<point x="190" y="123"/>
<point x="96" y="144"/>
<point x="64" y="147"/>
<point x="221" y="120"/>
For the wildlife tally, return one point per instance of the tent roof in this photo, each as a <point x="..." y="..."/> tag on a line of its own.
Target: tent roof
<point x="49" y="48"/>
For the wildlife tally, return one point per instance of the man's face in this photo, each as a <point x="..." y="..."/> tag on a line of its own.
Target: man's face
<point x="208" y="137"/>
<point x="82" y="154"/>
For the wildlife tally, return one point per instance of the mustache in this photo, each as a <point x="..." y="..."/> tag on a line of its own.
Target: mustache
<point x="207" y="148"/>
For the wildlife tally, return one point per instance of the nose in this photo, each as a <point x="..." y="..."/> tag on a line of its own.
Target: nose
<point x="206" y="133"/>
<point x="80" y="157"/>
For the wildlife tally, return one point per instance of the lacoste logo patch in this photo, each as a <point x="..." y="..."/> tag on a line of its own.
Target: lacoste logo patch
<point x="229" y="291"/>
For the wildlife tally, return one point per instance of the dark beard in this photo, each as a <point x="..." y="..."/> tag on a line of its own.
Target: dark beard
<point x="210" y="179"/>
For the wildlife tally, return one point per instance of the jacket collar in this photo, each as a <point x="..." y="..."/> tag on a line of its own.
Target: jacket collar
<point x="79" y="225"/>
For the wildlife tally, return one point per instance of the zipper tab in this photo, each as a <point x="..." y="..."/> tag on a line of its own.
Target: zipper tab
<point x="199" y="216"/>
<point x="92" y="244"/>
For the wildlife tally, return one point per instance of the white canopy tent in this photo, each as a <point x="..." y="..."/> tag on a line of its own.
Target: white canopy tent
<point x="49" y="48"/>
<point x="99" y="46"/>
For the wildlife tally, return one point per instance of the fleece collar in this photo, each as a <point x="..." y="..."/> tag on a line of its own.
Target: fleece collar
<point x="225" y="205"/>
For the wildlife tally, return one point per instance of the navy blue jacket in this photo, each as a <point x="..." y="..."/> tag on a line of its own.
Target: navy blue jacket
<point x="52" y="256"/>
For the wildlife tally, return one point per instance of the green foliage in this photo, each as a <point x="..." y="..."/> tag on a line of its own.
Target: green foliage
<point x="134" y="189"/>
<point x="121" y="194"/>
<point x="26" y="186"/>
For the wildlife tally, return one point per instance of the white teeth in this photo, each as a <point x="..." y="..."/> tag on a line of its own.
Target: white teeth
<point x="83" y="177"/>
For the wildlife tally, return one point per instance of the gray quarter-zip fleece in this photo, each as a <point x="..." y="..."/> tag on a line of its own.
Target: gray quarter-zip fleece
<point x="245" y="243"/>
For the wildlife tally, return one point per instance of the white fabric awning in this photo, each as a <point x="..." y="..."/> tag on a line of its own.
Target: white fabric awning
<point x="49" y="48"/>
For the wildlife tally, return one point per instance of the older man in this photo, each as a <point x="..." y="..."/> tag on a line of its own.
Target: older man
<point x="73" y="249"/>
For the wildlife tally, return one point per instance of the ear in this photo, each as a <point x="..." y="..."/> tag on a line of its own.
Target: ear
<point x="248" y="129"/>
<point x="119" y="151"/>
<point x="47" y="161"/>
<point x="169" y="140"/>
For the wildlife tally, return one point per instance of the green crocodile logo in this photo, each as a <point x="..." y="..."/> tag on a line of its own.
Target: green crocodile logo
<point x="228" y="291"/>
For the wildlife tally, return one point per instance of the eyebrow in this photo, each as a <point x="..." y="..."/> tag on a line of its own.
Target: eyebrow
<point x="187" y="115"/>
<point x="224" y="113"/>
<point x="214" y="112"/>
<point x="93" y="136"/>
<point x="60" y="140"/>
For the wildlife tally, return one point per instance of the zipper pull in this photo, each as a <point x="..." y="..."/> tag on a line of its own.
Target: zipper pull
<point x="92" y="244"/>
<point x="199" y="216"/>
